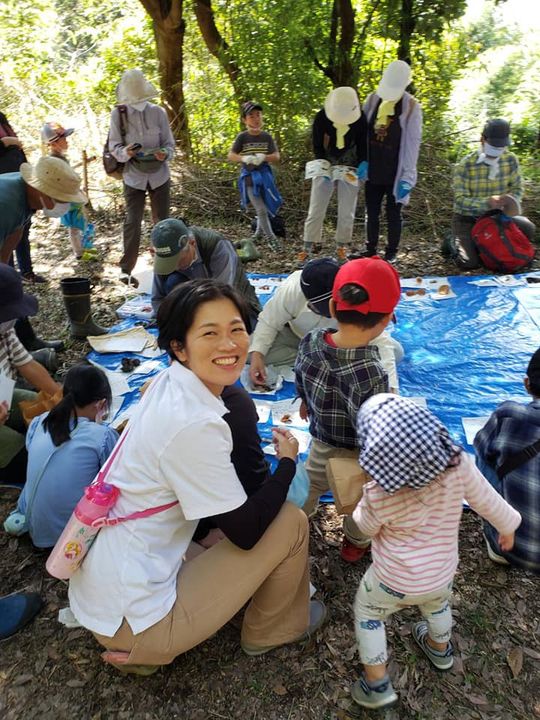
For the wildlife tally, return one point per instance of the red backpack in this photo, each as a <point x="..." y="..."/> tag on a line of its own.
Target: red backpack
<point x="501" y="244"/>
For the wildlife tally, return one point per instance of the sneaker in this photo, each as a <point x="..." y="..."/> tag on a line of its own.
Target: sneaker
<point x="353" y="252"/>
<point x="301" y="259"/>
<point x="317" y="618"/>
<point x="317" y="248"/>
<point x="390" y="257"/>
<point x="273" y="242"/>
<point x="369" y="252"/>
<point x="439" y="660"/>
<point x="128" y="279"/>
<point x="31" y="277"/>
<point x="380" y="696"/>
<point x="352" y="553"/>
<point x="341" y="253"/>
<point x="493" y="556"/>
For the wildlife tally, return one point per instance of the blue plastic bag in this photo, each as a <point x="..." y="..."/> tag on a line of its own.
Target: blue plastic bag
<point x="299" y="487"/>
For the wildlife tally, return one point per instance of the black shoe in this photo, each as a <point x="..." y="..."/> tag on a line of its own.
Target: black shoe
<point x="25" y="333"/>
<point x="390" y="257"/>
<point x="31" y="277"/>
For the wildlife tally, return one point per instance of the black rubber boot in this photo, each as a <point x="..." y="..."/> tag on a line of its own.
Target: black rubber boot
<point x="25" y="333"/>
<point x="47" y="358"/>
<point x="76" y="292"/>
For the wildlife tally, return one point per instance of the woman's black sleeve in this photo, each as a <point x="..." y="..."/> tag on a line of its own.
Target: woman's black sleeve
<point x="247" y="524"/>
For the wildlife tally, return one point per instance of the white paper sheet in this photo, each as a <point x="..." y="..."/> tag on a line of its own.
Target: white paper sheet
<point x="288" y="409"/>
<point x="472" y="425"/>
<point x="304" y="441"/>
<point x="133" y="340"/>
<point x="6" y="389"/>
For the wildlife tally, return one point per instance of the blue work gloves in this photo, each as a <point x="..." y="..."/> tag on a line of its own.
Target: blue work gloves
<point x="403" y="189"/>
<point x="362" y="170"/>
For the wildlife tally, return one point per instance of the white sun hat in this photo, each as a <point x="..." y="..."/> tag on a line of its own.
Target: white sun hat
<point x="134" y="88"/>
<point x="342" y="106"/>
<point x="395" y="79"/>
<point x="54" y="178"/>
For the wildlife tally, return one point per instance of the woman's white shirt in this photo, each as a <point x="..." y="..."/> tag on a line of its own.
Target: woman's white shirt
<point x="178" y="447"/>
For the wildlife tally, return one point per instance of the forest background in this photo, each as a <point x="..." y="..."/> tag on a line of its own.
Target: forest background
<point x="61" y="60"/>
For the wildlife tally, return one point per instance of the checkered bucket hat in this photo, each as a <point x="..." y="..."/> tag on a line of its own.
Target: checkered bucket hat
<point x="403" y="445"/>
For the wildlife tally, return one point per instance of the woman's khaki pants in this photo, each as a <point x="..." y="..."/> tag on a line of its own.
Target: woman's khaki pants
<point x="214" y="586"/>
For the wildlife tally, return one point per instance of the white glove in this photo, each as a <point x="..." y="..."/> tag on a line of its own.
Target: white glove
<point x="249" y="159"/>
<point x="259" y="158"/>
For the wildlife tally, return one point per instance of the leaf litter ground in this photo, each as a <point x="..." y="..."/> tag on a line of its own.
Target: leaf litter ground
<point x="51" y="672"/>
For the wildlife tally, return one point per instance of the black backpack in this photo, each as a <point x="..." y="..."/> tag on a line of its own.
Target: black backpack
<point x="277" y="224"/>
<point x="112" y="167"/>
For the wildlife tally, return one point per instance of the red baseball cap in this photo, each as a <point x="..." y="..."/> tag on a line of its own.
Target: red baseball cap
<point x="378" y="278"/>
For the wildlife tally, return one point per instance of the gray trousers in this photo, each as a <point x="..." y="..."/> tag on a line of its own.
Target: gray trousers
<point x="321" y="192"/>
<point x="263" y="220"/>
<point x="466" y="256"/>
<point x="160" y="204"/>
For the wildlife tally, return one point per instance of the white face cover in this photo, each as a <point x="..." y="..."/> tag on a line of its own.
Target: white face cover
<point x="57" y="210"/>
<point x="139" y="106"/>
<point x="493" y="152"/>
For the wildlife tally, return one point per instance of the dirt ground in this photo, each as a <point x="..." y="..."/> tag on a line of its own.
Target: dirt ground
<point x="50" y="672"/>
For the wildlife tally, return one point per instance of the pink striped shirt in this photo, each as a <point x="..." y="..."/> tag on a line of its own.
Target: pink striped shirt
<point x="415" y="532"/>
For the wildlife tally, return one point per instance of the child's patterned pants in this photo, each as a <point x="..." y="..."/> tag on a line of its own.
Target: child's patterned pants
<point x="375" y="602"/>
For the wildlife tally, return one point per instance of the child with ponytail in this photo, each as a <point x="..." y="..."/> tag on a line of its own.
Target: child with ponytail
<point x="66" y="448"/>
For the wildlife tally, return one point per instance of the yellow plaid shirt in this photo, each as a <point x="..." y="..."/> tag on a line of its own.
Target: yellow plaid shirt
<point x="473" y="187"/>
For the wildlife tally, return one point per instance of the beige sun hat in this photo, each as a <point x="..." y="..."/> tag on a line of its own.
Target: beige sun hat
<point x="55" y="178"/>
<point x="395" y="79"/>
<point x="134" y="88"/>
<point x="342" y="106"/>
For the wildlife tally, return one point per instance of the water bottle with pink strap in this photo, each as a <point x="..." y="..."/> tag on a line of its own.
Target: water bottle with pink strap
<point x="81" y="530"/>
<point x="89" y="516"/>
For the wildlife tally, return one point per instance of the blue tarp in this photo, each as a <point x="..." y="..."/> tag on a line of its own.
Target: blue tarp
<point x="465" y="354"/>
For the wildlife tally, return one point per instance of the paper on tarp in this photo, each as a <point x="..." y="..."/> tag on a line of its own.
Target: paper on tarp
<point x="135" y="340"/>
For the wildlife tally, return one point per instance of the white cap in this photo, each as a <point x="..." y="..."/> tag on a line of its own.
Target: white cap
<point x="395" y="79"/>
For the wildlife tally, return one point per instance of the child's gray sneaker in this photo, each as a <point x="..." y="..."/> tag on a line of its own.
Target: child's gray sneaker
<point x="381" y="696"/>
<point x="440" y="660"/>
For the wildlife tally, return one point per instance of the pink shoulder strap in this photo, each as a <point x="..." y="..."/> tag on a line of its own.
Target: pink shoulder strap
<point x="109" y="522"/>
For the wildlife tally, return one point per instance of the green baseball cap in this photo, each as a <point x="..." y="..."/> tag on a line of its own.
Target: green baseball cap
<point x="169" y="237"/>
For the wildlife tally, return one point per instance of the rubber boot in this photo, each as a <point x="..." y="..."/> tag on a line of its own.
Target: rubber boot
<point x="47" y="358"/>
<point x="25" y="333"/>
<point x="76" y="292"/>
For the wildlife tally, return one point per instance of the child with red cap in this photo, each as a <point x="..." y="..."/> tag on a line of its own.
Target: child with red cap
<point x="337" y="370"/>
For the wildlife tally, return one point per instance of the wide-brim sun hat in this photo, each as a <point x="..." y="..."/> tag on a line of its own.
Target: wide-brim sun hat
<point x="14" y="303"/>
<point x="55" y="178"/>
<point x="394" y="81"/>
<point x="342" y="106"/>
<point x="134" y="88"/>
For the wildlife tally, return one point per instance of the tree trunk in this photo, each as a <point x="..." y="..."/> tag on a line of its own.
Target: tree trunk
<point x="169" y="29"/>
<point x="340" y="68"/>
<point x="407" y="24"/>
<point x="219" y="48"/>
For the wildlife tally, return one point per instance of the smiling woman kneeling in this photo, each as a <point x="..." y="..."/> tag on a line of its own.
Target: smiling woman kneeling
<point x="135" y="592"/>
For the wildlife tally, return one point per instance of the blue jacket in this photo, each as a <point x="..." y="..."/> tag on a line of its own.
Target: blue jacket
<point x="264" y="186"/>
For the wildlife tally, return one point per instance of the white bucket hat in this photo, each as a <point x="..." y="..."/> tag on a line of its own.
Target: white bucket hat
<point x="395" y="79"/>
<point x="342" y="106"/>
<point x="54" y="178"/>
<point x="134" y="88"/>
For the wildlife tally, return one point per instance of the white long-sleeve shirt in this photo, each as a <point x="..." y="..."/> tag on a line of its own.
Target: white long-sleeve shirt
<point x="289" y="306"/>
<point x="151" y="129"/>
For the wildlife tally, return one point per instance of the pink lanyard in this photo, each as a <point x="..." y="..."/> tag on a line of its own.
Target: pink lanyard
<point x="102" y="474"/>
